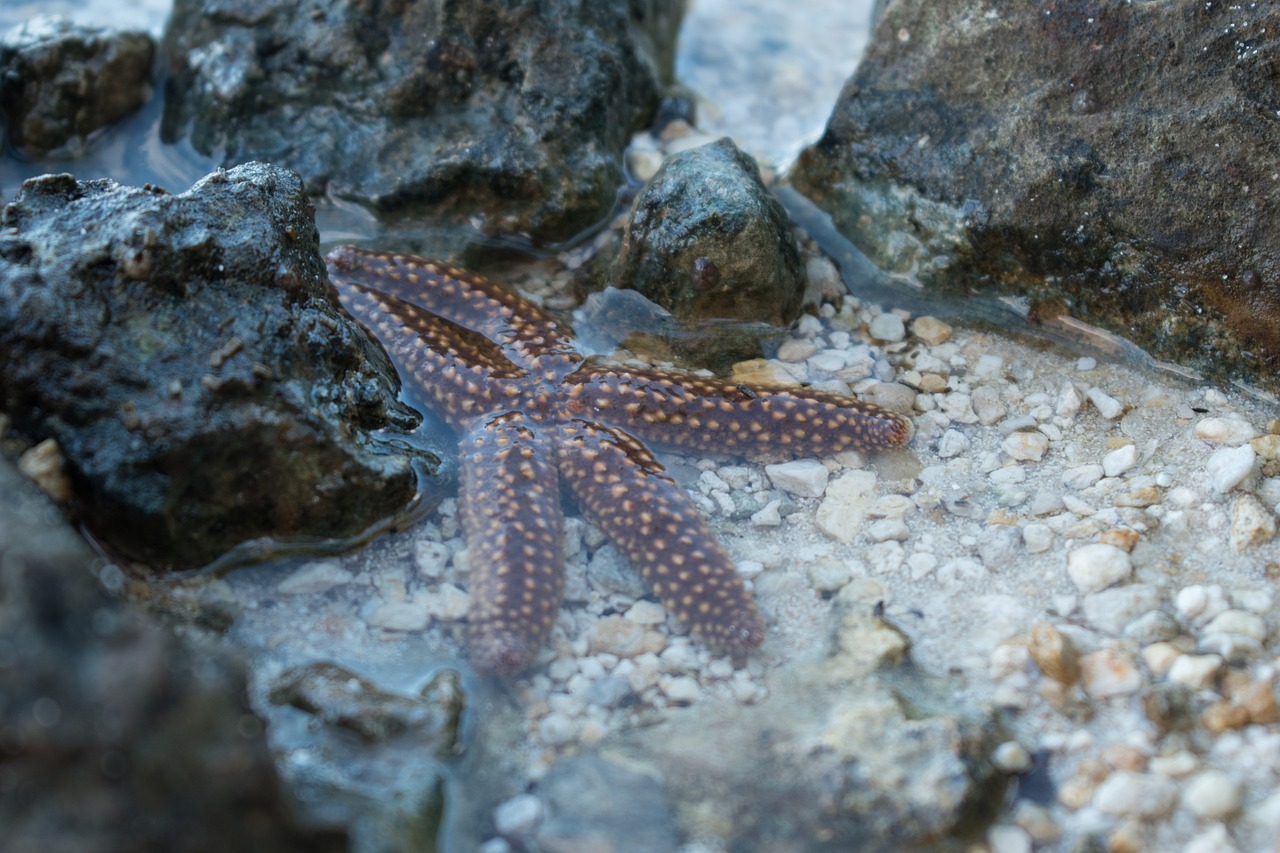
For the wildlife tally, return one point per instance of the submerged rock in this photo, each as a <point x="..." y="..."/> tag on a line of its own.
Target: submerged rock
<point x="61" y="81"/>
<point x="390" y="786"/>
<point x="115" y="734"/>
<point x="1134" y="194"/>
<point x="592" y="803"/>
<point x="508" y="116"/>
<point x="184" y="354"/>
<point x="707" y="243"/>
<point x="853" y="750"/>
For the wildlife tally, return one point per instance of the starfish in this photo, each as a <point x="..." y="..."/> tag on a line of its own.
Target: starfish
<point x="533" y="413"/>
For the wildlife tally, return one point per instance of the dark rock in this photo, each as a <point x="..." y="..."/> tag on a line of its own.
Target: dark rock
<point x="184" y="353"/>
<point x="707" y="243"/>
<point x="114" y="734"/>
<point x="592" y="803"/>
<point x="1116" y="162"/>
<point x="853" y="750"/>
<point x="60" y="82"/>
<point x="514" y="115"/>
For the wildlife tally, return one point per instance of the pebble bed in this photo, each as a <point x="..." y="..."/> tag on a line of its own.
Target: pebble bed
<point x="1088" y="548"/>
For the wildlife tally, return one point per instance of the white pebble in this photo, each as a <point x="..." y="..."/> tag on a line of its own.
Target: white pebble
<point x="1037" y="538"/>
<point x="1119" y="460"/>
<point x="448" y="603"/>
<point x="1086" y="363"/>
<point x="829" y="575"/>
<point x="1128" y="794"/>
<point x="557" y="729"/>
<point x="887" y="327"/>
<point x="952" y="443"/>
<point x="1195" y="671"/>
<point x="1007" y="838"/>
<point x="401" y="616"/>
<point x="315" y="578"/>
<point x="1199" y="604"/>
<point x="1082" y="476"/>
<point x="1097" y="566"/>
<point x="888" y="529"/>
<point x="806" y="478"/>
<point x="1109" y="672"/>
<point x="1011" y="757"/>
<point x="682" y="690"/>
<point x="646" y="613"/>
<point x="1213" y="839"/>
<point x="1238" y="622"/>
<point x="431" y="557"/>
<point x="1228" y="467"/>
<point x="959" y="407"/>
<point x="1212" y="795"/>
<point x="1232" y="432"/>
<point x="1026" y="446"/>
<point x="842" y="513"/>
<point x="518" y="816"/>
<point x="1068" y="403"/>
<point x="1108" y="407"/>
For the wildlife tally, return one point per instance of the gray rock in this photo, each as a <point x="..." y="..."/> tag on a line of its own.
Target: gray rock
<point x="1056" y="173"/>
<point x="512" y="116"/>
<point x="593" y="803"/>
<point x="184" y="353"/>
<point x="707" y="242"/>
<point x="61" y="81"/>
<point x="118" y="735"/>
<point x="339" y="697"/>
<point x="862" y="753"/>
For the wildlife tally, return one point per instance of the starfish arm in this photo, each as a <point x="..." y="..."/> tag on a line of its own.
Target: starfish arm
<point x="524" y="331"/>
<point x="623" y="490"/>
<point x="510" y="510"/>
<point x="687" y="411"/>
<point x="452" y="370"/>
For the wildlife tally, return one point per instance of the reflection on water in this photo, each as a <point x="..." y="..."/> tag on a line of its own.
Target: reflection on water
<point x="770" y="73"/>
<point x="135" y="14"/>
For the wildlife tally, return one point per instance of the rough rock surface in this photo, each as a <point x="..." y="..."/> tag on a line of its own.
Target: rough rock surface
<point x="1113" y="161"/>
<point x="60" y="82"/>
<point x="706" y="242"/>
<point x="114" y="734"/>
<point x="184" y="354"/>
<point x="509" y="116"/>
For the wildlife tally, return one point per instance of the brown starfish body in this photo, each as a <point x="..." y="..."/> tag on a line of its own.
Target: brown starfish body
<point x="533" y="414"/>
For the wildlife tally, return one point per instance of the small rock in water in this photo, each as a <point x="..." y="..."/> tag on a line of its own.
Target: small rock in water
<point x="315" y="578"/>
<point x="1097" y="566"/>
<point x="1119" y="460"/>
<point x="1232" y="432"/>
<point x="806" y="478"/>
<point x="1108" y="407"/>
<point x="1026" y="446"/>
<point x="931" y="330"/>
<point x="1229" y="466"/>
<point x="887" y="327"/>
